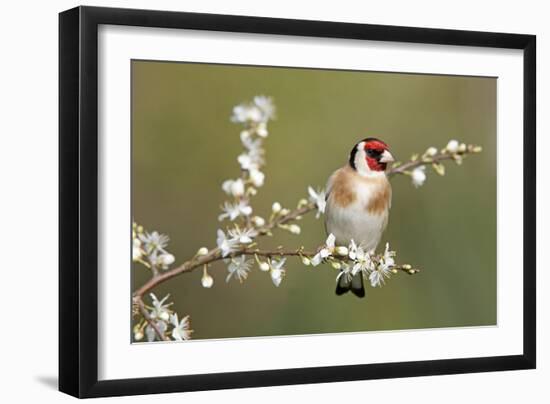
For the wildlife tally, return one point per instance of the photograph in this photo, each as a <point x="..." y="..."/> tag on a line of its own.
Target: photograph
<point x="274" y="201"/>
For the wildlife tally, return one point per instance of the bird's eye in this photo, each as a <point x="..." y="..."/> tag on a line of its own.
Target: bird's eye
<point x="373" y="153"/>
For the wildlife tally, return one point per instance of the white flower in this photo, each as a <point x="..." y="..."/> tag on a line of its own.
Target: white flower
<point x="277" y="271"/>
<point x="325" y="252"/>
<point x="243" y="236"/>
<point x="207" y="281"/>
<point x="226" y="245"/>
<point x="432" y="151"/>
<point x="233" y="211"/>
<point x="246" y="113"/>
<point x="276" y="207"/>
<point x="383" y="270"/>
<point x="246" y="162"/>
<point x="238" y="267"/>
<point x="294" y="229"/>
<point x="154" y="242"/>
<point x="181" y="330"/>
<point x="377" y="276"/>
<point x="362" y="259"/>
<point x="345" y="272"/>
<point x="152" y="334"/>
<point x="234" y="187"/>
<point x="160" y="310"/>
<point x="452" y="146"/>
<point x="257" y="178"/>
<point x="418" y="176"/>
<point x="319" y="199"/>
<point x="258" y="221"/>
<point x="265" y="104"/>
<point x="388" y="261"/>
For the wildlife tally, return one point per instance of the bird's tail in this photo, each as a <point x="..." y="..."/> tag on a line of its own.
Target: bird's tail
<point x="354" y="283"/>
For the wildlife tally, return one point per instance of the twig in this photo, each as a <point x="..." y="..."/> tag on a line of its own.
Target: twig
<point x="139" y="302"/>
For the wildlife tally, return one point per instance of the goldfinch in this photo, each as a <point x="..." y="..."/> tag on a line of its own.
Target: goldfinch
<point x="358" y="203"/>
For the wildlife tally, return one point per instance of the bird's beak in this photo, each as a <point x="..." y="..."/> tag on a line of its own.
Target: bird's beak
<point x="386" y="157"/>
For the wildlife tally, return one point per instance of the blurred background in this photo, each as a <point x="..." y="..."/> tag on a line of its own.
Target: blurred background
<point x="184" y="147"/>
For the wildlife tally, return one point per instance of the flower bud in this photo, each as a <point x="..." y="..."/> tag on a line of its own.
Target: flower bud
<point x="477" y="149"/>
<point x="237" y="187"/>
<point x="207" y="281"/>
<point x="341" y="250"/>
<point x="306" y="261"/>
<point x="264" y="266"/>
<point x="258" y="221"/>
<point x="294" y="229"/>
<point x="432" y="151"/>
<point x="285" y="211"/>
<point x="261" y="130"/>
<point x="138" y="336"/>
<point x="167" y="259"/>
<point x="452" y="146"/>
<point x="336" y="265"/>
<point x="164" y="316"/>
<point x="276" y="207"/>
<point x="462" y="148"/>
<point x="302" y="202"/>
<point x="406" y="266"/>
<point x="202" y="251"/>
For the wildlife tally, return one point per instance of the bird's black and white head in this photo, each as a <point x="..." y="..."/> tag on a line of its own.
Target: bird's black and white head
<point x="370" y="157"/>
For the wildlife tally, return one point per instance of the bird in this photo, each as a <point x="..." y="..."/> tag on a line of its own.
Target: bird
<point x="358" y="202"/>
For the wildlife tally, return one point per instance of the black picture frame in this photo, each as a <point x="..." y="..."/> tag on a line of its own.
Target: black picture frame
<point x="78" y="200"/>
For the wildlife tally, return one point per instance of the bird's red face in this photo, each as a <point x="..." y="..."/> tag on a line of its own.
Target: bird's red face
<point x="374" y="155"/>
<point x="370" y="155"/>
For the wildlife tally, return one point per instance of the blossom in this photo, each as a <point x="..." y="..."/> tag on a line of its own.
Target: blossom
<point x="154" y="242"/>
<point x="257" y="177"/>
<point x="362" y="259"/>
<point x="345" y="271"/>
<point x="160" y="310"/>
<point x="234" y="210"/>
<point x="239" y="267"/>
<point x="325" y="252"/>
<point x="387" y="259"/>
<point x="319" y="199"/>
<point x="277" y="271"/>
<point x="418" y="176"/>
<point x="243" y="113"/>
<point x="234" y="187"/>
<point x="244" y="236"/>
<point x="181" y="330"/>
<point x="266" y="105"/>
<point x="383" y="270"/>
<point x="152" y="334"/>
<point x="452" y="146"/>
<point x="226" y="245"/>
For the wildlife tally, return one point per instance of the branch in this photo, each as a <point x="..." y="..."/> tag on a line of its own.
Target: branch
<point x="139" y="302"/>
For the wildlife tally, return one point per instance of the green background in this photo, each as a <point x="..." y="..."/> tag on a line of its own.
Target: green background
<point x="184" y="147"/>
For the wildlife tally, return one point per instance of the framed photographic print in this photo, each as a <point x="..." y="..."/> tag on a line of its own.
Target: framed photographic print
<point x="251" y="201"/>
